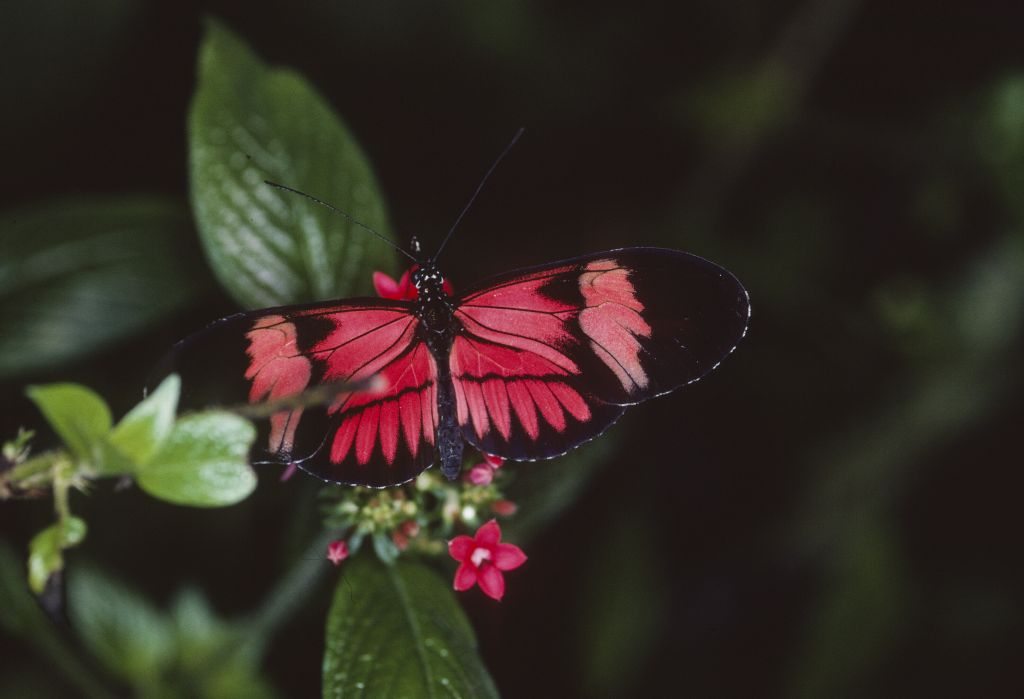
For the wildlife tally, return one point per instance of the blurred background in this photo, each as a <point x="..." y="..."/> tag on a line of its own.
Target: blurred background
<point x="831" y="513"/>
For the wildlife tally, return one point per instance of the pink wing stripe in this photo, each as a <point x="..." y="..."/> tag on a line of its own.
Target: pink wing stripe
<point x="389" y="421"/>
<point x="535" y="338"/>
<point x="276" y="369"/>
<point x="548" y="405"/>
<point x="367" y="435"/>
<point x="498" y="406"/>
<point x="409" y="409"/>
<point x="572" y="401"/>
<point x="613" y="322"/>
<point x="524" y="407"/>
<point x="477" y="407"/>
<point x="343" y="439"/>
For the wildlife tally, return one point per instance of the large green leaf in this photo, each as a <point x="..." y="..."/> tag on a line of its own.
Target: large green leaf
<point x="249" y="123"/>
<point x="204" y="462"/>
<point x="77" y="275"/>
<point x="397" y="631"/>
<point x="77" y="414"/>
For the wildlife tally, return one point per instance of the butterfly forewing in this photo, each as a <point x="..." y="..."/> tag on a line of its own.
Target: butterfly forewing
<point x="547" y="357"/>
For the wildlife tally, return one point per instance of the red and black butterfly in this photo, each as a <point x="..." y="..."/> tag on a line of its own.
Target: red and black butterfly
<point x="526" y="365"/>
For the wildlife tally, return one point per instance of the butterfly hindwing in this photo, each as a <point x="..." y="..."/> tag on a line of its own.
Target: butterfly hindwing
<point x="378" y="436"/>
<point x="546" y="358"/>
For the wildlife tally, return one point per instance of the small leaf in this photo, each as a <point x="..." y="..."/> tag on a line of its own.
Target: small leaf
<point x="78" y="275"/>
<point x="144" y="429"/>
<point x="398" y="631"/>
<point x="77" y="414"/>
<point x="132" y="640"/>
<point x="46" y="550"/>
<point x="249" y="123"/>
<point x="204" y="462"/>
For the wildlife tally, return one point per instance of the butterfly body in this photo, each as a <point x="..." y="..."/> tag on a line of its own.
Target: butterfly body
<point x="437" y="329"/>
<point x="526" y="365"/>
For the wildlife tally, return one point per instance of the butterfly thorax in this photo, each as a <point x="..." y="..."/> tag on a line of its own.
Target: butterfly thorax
<point x="433" y="308"/>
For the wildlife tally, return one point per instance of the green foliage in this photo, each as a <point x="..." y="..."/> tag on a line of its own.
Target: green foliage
<point x="398" y="631"/>
<point x="203" y="463"/>
<point x="78" y="415"/>
<point x="148" y="425"/>
<point x="79" y="275"/>
<point x="249" y="123"/>
<point x="188" y="652"/>
<point x="46" y="551"/>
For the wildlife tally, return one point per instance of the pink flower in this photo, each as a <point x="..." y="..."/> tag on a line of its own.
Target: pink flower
<point x="337" y="551"/>
<point x="482" y="559"/>
<point x="481" y="474"/>
<point x="403" y="289"/>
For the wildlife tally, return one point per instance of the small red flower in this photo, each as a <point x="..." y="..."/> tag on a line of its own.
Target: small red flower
<point x="403" y="289"/>
<point x="481" y="474"/>
<point x="494" y="461"/>
<point x="483" y="558"/>
<point x="504" y="508"/>
<point x="337" y="551"/>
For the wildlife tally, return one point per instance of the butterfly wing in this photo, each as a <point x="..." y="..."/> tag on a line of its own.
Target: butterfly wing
<point x="548" y="357"/>
<point x="379" y="435"/>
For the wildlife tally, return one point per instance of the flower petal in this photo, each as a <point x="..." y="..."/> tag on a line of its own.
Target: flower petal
<point x="385" y="286"/>
<point x="460" y="547"/>
<point x="508" y="557"/>
<point x="489" y="534"/>
<point x="494" y="461"/>
<point x="492" y="582"/>
<point x="465" y="577"/>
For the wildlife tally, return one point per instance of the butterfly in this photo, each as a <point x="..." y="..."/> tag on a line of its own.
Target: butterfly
<point x="526" y="365"/>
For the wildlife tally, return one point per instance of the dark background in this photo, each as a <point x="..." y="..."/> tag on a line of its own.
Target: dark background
<point x="831" y="513"/>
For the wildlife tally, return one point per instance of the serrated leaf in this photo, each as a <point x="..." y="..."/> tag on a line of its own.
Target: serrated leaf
<point x="203" y="463"/>
<point x="46" y="550"/>
<point x="398" y="631"/>
<point x="77" y="275"/>
<point x="132" y="640"/>
<point x="249" y="123"/>
<point x="77" y="414"/>
<point x="142" y="432"/>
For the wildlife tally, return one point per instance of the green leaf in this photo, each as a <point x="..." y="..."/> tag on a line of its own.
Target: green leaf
<point x="142" y="432"/>
<point x="77" y="275"/>
<point x="249" y="123"/>
<point x="132" y="640"/>
<point x="204" y="462"/>
<point x="398" y="631"/>
<point x="46" y="550"/>
<point x="77" y="414"/>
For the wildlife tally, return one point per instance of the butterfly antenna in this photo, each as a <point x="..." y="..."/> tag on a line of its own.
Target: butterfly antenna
<point x="339" y="211"/>
<point x="473" y="198"/>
